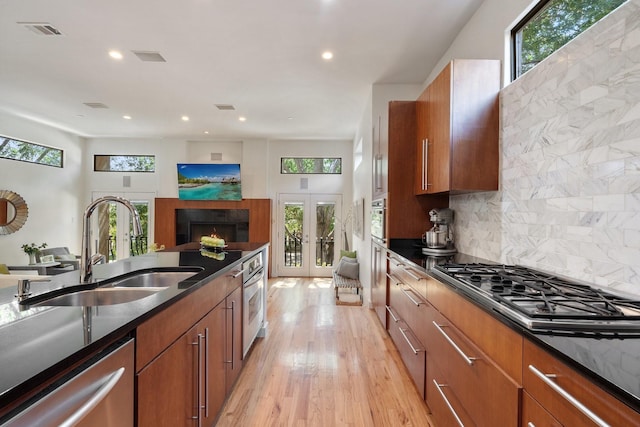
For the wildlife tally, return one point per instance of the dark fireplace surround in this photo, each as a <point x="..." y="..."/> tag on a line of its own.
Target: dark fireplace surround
<point x="232" y="225"/>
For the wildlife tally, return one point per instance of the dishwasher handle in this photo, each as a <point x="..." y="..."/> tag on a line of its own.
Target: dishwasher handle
<point x="97" y="397"/>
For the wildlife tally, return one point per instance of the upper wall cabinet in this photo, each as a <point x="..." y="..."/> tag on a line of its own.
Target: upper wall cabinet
<point x="380" y="158"/>
<point x="457" y="129"/>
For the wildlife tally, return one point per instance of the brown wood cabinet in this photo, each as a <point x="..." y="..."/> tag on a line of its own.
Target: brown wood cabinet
<point x="458" y="128"/>
<point x="176" y="376"/>
<point x="569" y="396"/>
<point x="485" y="392"/>
<point x="533" y="414"/>
<point x="407" y="215"/>
<point x="408" y="314"/>
<point x="233" y="359"/>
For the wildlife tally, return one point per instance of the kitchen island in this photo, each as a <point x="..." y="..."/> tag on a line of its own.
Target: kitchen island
<point x="39" y="343"/>
<point x="433" y="312"/>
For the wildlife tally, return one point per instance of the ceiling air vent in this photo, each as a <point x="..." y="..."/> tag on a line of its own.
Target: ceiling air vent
<point x="95" y="105"/>
<point x="225" y="107"/>
<point x="148" y="56"/>
<point x="42" y="28"/>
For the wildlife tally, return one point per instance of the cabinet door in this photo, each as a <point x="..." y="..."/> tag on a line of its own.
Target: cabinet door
<point x="439" y="132"/>
<point x="213" y="327"/>
<point x="380" y="157"/>
<point x="422" y="134"/>
<point x="168" y="396"/>
<point x="379" y="283"/>
<point x="569" y="396"/>
<point x="535" y="415"/>
<point x="233" y="337"/>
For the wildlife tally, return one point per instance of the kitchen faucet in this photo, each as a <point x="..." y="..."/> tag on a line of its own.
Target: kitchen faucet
<point x="86" y="260"/>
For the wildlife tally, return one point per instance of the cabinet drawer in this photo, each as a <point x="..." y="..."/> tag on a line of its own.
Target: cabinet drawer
<point x="568" y="395"/>
<point x="484" y="390"/>
<point x="410" y="276"/>
<point x="410" y="307"/>
<point x="534" y="415"/>
<point x="502" y="344"/>
<point x="410" y="349"/>
<point x="445" y="407"/>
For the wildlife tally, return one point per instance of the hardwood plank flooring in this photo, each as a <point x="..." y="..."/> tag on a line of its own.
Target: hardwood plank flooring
<point x="322" y="365"/>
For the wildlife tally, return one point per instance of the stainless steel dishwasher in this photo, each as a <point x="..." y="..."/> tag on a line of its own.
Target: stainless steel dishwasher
<point x="98" y="394"/>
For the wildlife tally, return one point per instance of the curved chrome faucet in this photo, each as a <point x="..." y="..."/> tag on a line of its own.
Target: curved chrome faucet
<point x="86" y="260"/>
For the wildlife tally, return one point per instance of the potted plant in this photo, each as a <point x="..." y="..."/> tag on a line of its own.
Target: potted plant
<point x="32" y="249"/>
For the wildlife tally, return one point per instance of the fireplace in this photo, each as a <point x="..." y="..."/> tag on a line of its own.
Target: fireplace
<point x="232" y="225"/>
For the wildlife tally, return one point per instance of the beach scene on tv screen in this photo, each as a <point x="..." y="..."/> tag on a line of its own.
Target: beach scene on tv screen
<point x="209" y="181"/>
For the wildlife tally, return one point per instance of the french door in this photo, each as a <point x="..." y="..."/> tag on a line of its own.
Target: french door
<point x="309" y="234"/>
<point x="112" y="227"/>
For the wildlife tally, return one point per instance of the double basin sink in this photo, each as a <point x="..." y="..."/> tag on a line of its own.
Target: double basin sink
<point x="126" y="288"/>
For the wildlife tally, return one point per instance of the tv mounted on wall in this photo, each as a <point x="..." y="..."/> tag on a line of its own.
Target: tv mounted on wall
<point x="202" y="181"/>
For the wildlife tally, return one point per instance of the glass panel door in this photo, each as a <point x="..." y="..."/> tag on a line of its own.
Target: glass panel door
<point x="114" y="238"/>
<point x="307" y="237"/>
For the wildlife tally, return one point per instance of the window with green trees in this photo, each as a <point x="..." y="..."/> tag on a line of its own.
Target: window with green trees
<point x="123" y="163"/>
<point x="15" y="149"/>
<point x="306" y="165"/>
<point x="550" y="25"/>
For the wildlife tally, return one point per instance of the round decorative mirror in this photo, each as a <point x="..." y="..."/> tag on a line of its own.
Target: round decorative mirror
<point x="13" y="212"/>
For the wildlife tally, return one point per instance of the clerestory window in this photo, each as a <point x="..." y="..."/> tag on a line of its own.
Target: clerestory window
<point x="550" y="25"/>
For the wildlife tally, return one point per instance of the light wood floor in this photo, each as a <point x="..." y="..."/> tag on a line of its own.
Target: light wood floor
<point x="322" y="365"/>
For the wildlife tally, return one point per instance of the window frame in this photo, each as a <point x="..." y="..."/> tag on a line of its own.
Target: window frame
<point x="60" y="150"/>
<point x="96" y="156"/>
<point x="282" y="159"/>
<point x="537" y="8"/>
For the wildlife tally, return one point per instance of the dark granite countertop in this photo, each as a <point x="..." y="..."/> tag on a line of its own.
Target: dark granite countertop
<point x="611" y="362"/>
<point x="37" y="343"/>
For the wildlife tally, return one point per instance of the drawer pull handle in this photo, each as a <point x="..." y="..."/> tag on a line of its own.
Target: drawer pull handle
<point x="466" y="358"/>
<point x="562" y="392"/>
<point x="530" y="424"/>
<point x="391" y="278"/>
<point x="408" y="295"/>
<point x="395" y="319"/>
<point x="453" y="411"/>
<point x="406" y="338"/>
<point x="409" y="271"/>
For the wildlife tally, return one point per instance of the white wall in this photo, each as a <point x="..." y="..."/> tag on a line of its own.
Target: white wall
<point x="483" y="37"/>
<point x="316" y="183"/>
<point x="51" y="194"/>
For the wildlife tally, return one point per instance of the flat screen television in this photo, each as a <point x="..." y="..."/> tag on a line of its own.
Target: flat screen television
<point x="205" y="181"/>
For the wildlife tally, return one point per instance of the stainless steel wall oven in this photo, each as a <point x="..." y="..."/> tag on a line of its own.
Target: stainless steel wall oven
<point x="253" y="279"/>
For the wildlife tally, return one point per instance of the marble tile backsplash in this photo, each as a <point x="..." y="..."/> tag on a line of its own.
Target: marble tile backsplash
<point x="569" y="200"/>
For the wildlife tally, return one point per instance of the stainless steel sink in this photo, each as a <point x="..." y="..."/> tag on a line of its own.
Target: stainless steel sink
<point x="99" y="296"/>
<point x="153" y="279"/>
<point x="118" y="290"/>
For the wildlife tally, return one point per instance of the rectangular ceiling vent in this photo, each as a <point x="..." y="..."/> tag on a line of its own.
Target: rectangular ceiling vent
<point x="147" y="56"/>
<point x="224" y="107"/>
<point x="42" y="28"/>
<point x="95" y="105"/>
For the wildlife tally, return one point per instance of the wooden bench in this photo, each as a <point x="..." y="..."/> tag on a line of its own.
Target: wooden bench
<point x="342" y="282"/>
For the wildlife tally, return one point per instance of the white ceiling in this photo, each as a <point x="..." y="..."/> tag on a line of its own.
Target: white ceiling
<point x="261" y="56"/>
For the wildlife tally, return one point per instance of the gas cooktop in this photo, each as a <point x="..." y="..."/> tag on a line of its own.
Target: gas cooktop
<point x="543" y="301"/>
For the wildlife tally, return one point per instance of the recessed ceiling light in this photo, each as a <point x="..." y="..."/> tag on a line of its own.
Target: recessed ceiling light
<point x="126" y="117"/>
<point x="185" y="118"/>
<point x="206" y="132"/>
<point x="327" y="55"/>
<point x="115" y="54"/>
<point x="242" y="118"/>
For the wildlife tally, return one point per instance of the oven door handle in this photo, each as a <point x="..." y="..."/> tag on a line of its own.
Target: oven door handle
<point x="255" y="278"/>
<point x="239" y="273"/>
